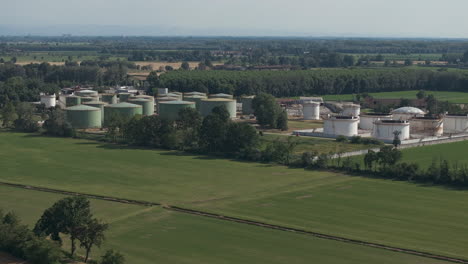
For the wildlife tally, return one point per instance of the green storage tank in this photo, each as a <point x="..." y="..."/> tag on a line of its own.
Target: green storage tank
<point x="221" y="95"/>
<point x="126" y="110"/>
<point x="124" y="97"/>
<point x="195" y="98"/>
<point x="147" y="104"/>
<point x="247" y="105"/>
<point x="84" y="116"/>
<point x="175" y="95"/>
<point x="72" y="100"/>
<point x="207" y="105"/>
<point x="170" y="109"/>
<point x="109" y="98"/>
<point x="97" y="104"/>
<point x="87" y="93"/>
<point x="194" y="93"/>
<point x="85" y="99"/>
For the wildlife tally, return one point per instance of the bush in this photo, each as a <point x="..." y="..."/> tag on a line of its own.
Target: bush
<point x="26" y="125"/>
<point x="341" y="139"/>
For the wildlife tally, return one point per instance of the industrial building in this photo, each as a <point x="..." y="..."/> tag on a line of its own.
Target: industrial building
<point x="207" y="105"/>
<point x="341" y="126"/>
<point x="367" y="120"/>
<point x="84" y="116"/>
<point x="387" y="129"/>
<point x="311" y="110"/>
<point x="456" y="123"/>
<point x="170" y="109"/>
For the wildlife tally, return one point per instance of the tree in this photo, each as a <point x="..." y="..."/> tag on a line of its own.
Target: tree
<point x="282" y="122"/>
<point x="214" y="129"/>
<point x="169" y="68"/>
<point x="240" y="136"/>
<point x="67" y="216"/>
<point x="112" y="257"/>
<point x="431" y="104"/>
<point x="189" y="123"/>
<point x="408" y="62"/>
<point x="91" y="234"/>
<point x="185" y="66"/>
<point x="370" y="158"/>
<point x="266" y="109"/>
<point x="56" y="124"/>
<point x="396" y="138"/>
<point x="421" y="94"/>
<point x="8" y="114"/>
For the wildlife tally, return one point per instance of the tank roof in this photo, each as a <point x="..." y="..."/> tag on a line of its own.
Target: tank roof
<point x="351" y="105"/>
<point x="222" y="94"/>
<point x="73" y="96"/>
<point x="95" y="103"/>
<point x="393" y="121"/>
<point x="177" y="102"/>
<point x="196" y="96"/>
<point x="408" y="110"/>
<point x="82" y="108"/>
<point x="376" y="114"/>
<point x="124" y="105"/>
<point x="139" y="100"/>
<point x="87" y="91"/>
<point x="218" y="100"/>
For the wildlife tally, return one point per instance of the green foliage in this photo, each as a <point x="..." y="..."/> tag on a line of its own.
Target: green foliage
<point x="112" y="257"/>
<point x="214" y="130"/>
<point x="91" y="234"/>
<point x="8" y="114"/>
<point x="56" y="125"/>
<point x="341" y="138"/>
<point x="268" y="112"/>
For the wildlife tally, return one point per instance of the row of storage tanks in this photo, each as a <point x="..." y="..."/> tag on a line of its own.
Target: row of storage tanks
<point x="403" y="121"/>
<point x="88" y="109"/>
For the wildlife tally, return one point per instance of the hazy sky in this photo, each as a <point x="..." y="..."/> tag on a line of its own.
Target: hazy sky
<point x="393" y="18"/>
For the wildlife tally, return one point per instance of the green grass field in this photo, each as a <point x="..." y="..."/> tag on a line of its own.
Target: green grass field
<point x="153" y="235"/>
<point x="452" y="97"/>
<point x="394" y="213"/>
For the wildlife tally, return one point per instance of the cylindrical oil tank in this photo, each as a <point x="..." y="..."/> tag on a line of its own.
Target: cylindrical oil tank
<point x="84" y="116"/>
<point x="247" y="108"/>
<point x="87" y="93"/>
<point x="311" y="110"/>
<point x="456" y="123"/>
<point x="427" y="126"/>
<point x="72" y="100"/>
<point x="109" y="98"/>
<point x="386" y="129"/>
<point x="85" y="99"/>
<point x="48" y="100"/>
<point x="147" y="97"/>
<point x="175" y="95"/>
<point x="123" y="97"/>
<point x="207" y="105"/>
<point x="194" y="93"/>
<point x="170" y="109"/>
<point x="407" y="113"/>
<point x="97" y="104"/>
<point x="220" y="95"/>
<point x="195" y="98"/>
<point x="125" y="110"/>
<point x="341" y="126"/>
<point x="367" y="120"/>
<point x="147" y="104"/>
<point x="162" y="91"/>
<point x="351" y="110"/>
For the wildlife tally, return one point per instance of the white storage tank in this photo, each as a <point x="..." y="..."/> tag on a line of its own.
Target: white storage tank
<point x="427" y="126"/>
<point x="407" y="113"/>
<point x="341" y="126"/>
<point x="385" y="129"/>
<point x="311" y="110"/>
<point x="48" y="100"/>
<point x="367" y="120"/>
<point x="456" y="124"/>
<point x="351" y="110"/>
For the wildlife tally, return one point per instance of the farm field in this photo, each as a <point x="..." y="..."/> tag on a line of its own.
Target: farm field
<point x="321" y="145"/>
<point x="452" y="97"/>
<point x="153" y="235"/>
<point x="393" y="213"/>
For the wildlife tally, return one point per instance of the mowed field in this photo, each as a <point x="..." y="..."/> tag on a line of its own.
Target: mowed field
<point x="392" y="213"/>
<point x="424" y="156"/>
<point x="452" y="97"/>
<point x="154" y="235"/>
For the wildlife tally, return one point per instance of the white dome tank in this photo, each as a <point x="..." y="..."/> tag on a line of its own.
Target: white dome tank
<point x="385" y="129"/>
<point x="48" y="100"/>
<point x="311" y="110"/>
<point x="341" y="126"/>
<point x="351" y="110"/>
<point x="456" y="123"/>
<point x="366" y="121"/>
<point x="407" y="113"/>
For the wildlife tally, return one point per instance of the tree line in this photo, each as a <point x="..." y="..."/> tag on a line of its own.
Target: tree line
<point x="312" y="82"/>
<point x="69" y="217"/>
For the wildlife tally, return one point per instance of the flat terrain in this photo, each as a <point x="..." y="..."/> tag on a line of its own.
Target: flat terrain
<point x="153" y="235"/>
<point x="452" y="97"/>
<point x="453" y="152"/>
<point x="393" y="213"/>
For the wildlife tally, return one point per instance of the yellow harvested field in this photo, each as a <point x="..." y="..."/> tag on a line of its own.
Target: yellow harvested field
<point x="39" y="62"/>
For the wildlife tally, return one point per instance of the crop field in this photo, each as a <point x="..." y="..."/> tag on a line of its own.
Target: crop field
<point x="424" y="156"/>
<point x="399" y="57"/>
<point x="452" y="97"/>
<point x="321" y="145"/>
<point x="392" y="213"/>
<point x="153" y="235"/>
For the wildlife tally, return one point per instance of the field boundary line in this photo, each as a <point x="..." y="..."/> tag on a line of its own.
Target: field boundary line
<point x="315" y="234"/>
<point x="242" y="221"/>
<point x="93" y="196"/>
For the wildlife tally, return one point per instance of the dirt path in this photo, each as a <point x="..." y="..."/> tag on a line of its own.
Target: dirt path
<point x="241" y="221"/>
